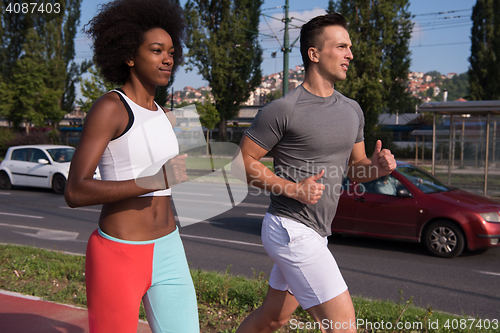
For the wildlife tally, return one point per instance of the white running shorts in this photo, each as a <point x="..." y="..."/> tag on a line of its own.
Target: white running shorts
<point x="303" y="263"/>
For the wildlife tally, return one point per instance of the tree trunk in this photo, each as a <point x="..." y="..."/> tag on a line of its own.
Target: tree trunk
<point x="222" y="129"/>
<point x="208" y="142"/>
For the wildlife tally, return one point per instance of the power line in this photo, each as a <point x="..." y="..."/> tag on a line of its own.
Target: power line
<point x="442" y="23"/>
<point x="441" y="44"/>
<point x="433" y="19"/>
<point x="414" y="15"/>
<point x="439" y="28"/>
<point x="424" y="20"/>
<point x="277" y="7"/>
<point x="294" y="18"/>
<point x="439" y="13"/>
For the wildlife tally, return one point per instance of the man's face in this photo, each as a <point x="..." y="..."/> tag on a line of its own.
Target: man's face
<point x="334" y="56"/>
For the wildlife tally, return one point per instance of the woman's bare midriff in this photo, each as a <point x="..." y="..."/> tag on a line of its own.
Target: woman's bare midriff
<point x="138" y="219"/>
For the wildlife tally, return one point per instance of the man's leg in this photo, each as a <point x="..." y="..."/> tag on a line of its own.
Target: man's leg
<point x="335" y="315"/>
<point x="307" y="267"/>
<point x="279" y="304"/>
<point x="274" y="313"/>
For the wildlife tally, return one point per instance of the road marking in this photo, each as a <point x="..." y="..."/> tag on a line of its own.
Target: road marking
<point x="259" y="215"/>
<point x="5" y="193"/>
<point x="57" y="235"/>
<point x="84" y="209"/>
<point x="22" y="215"/>
<point x="241" y="204"/>
<point x="244" y="204"/>
<point x="190" y="193"/>
<point x="489" y="273"/>
<point x="215" y="188"/>
<point x="18" y="226"/>
<point x="212" y="222"/>
<point x="44" y="233"/>
<point x="202" y="201"/>
<point x="190" y="220"/>
<point x="221" y="240"/>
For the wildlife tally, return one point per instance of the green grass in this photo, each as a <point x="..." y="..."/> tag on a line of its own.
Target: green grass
<point x="223" y="299"/>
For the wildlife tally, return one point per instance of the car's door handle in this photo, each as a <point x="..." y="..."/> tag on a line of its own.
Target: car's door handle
<point x="360" y="199"/>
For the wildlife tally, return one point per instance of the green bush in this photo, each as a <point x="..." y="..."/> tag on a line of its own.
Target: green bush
<point x="6" y="135"/>
<point x="33" y="138"/>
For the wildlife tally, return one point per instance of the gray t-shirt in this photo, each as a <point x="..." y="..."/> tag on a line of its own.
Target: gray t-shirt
<point x="307" y="133"/>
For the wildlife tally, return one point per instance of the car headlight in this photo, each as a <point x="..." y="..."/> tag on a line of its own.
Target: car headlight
<point x="491" y="217"/>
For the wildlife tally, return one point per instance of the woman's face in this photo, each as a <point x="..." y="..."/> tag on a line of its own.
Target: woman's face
<point x="153" y="62"/>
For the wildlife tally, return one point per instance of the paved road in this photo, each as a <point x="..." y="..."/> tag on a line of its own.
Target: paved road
<point x="469" y="284"/>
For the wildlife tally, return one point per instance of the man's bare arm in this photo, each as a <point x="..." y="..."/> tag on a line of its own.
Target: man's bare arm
<point x="363" y="169"/>
<point x="257" y="174"/>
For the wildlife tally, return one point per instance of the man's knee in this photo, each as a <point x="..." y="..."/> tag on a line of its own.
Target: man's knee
<point x="274" y="324"/>
<point x="337" y="312"/>
<point x="273" y="320"/>
<point x="262" y="321"/>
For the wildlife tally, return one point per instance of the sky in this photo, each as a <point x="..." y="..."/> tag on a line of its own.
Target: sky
<point x="440" y="40"/>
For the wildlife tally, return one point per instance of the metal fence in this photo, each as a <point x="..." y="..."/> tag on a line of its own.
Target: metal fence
<point x="465" y="144"/>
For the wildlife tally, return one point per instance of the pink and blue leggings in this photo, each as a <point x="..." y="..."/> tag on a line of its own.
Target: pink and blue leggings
<point x="120" y="273"/>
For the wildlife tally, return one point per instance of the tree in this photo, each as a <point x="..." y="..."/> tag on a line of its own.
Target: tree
<point x="437" y="77"/>
<point x="380" y="32"/>
<point x="484" y="70"/>
<point x="27" y="95"/>
<point x="43" y="39"/>
<point x="182" y="104"/>
<point x="457" y="87"/>
<point x="161" y="93"/>
<point x="209" y="117"/>
<point x="223" y="46"/>
<point x="93" y="88"/>
<point x="13" y="30"/>
<point x="275" y="94"/>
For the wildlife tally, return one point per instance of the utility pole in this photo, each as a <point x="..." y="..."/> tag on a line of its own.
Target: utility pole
<point x="172" y="104"/>
<point x="286" y="50"/>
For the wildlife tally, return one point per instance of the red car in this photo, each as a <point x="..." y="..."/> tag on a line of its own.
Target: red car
<point x="411" y="204"/>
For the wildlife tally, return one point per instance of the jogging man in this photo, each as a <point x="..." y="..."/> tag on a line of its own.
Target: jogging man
<point x="315" y="135"/>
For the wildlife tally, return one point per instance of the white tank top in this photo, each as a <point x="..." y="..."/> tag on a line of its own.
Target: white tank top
<point x="148" y="139"/>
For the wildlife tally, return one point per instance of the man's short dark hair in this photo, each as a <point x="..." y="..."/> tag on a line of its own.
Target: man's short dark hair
<point x="118" y="31"/>
<point x="310" y="33"/>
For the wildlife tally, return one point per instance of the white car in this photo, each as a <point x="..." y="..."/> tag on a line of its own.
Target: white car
<point x="38" y="166"/>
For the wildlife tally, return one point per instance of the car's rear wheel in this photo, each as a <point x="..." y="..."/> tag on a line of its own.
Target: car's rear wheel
<point x="5" y="183"/>
<point x="58" y="183"/>
<point x="444" y="239"/>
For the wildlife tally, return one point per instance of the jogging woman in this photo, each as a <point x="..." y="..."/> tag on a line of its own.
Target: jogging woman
<point x="136" y="252"/>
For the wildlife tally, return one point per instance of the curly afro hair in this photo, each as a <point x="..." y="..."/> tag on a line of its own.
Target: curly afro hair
<point x="118" y="31"/>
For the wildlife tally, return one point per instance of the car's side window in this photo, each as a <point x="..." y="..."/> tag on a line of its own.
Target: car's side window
<point x="387" y="185"/>
<point x="351" y="187"/>
<point x="20" y="154"/>
<point x="37" y="154"/>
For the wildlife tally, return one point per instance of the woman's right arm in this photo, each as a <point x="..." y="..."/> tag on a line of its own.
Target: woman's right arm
<point x="106" y="119"/>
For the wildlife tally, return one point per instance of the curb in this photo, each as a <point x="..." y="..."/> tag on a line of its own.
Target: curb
<point x="21" y="313"/>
